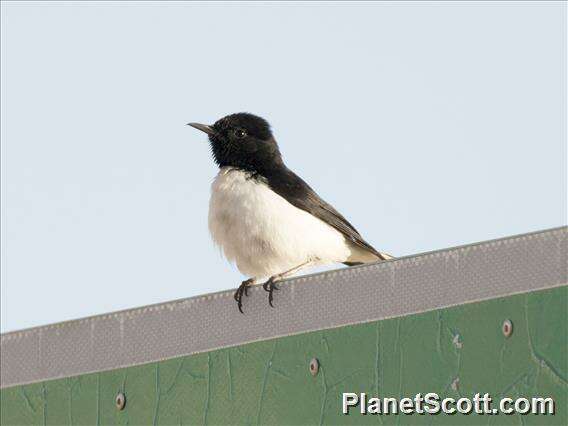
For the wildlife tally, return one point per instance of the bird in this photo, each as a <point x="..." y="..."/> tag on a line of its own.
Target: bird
<point x="265" y="218"/>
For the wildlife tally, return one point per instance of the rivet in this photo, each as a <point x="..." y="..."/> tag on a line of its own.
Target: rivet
<point x="507" y="328"/>
<point x="120" y="401"/>
<point x="314" y="366"/>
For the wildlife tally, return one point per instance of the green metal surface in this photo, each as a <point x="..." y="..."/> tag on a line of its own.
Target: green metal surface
<point x="269" y="382"/>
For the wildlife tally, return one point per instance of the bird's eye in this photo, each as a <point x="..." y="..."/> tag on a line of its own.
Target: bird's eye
<point x="240" y="133"/>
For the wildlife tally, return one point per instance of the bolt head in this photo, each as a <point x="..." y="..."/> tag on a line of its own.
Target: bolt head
<point x="507" y="328"/>
<point x="314" y="366"/>
<point x="120" y="401"/>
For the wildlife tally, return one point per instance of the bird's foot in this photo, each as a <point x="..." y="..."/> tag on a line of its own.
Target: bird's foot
<point x="270" y="286"/>
<point x="242" y="290"/>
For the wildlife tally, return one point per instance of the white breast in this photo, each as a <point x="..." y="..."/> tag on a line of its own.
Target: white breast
<point x="262" y="232"/>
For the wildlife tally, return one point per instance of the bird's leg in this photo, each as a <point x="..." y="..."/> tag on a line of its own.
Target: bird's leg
<point x="270" y="285"/>
<point x="243" y="289"/>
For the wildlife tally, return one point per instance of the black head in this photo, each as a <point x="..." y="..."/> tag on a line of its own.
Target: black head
<point x="244" y="141"/>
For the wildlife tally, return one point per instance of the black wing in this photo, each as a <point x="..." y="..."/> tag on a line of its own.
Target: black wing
<point x="298" y="193"/>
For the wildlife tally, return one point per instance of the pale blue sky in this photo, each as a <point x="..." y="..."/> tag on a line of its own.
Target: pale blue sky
<point x="428" y="125"/>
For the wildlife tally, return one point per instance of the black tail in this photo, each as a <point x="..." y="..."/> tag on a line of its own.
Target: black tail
<point x="380" y="255"/>
<point x="353" y="263"/>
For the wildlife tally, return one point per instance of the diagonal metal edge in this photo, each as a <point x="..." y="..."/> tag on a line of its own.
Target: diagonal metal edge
<point x="229" y="292"/>
<point x="406" y="285"/>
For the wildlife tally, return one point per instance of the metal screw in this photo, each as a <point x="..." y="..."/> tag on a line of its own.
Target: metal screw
<point x="120" y="401"/>
<point x="507" y="328"/>
<point x="314" y="366"/>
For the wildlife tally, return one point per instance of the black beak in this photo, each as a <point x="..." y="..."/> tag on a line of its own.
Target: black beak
<point x="203" y="127"/>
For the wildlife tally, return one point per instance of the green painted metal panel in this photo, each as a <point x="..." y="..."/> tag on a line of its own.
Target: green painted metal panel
<point x="457" y="351"/>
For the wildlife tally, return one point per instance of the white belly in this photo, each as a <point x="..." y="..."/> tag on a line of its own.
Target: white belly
<point x="262" y="232"/>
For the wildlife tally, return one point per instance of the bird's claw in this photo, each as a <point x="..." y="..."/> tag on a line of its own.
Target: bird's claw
<point x="270" y="286"/>
<point x="243" y="289"/>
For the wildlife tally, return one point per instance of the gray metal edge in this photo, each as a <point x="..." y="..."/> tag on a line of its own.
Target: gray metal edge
<point x="407" y="285"/>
